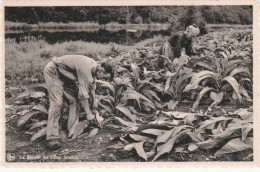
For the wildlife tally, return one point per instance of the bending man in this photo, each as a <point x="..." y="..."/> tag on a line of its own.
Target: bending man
<point x="67" y="73"/>
<point x="172" y="48"/>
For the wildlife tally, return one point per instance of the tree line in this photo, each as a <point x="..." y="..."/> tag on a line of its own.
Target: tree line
<point x="179" y="16"/>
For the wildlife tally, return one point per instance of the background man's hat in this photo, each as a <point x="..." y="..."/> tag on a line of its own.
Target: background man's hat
<point x="193" y="29"/>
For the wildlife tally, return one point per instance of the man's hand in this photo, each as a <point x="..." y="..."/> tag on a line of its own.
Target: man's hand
<point x="90" y="116"/>
<point x="95" y="104"/>
<point x="85" y="105"/>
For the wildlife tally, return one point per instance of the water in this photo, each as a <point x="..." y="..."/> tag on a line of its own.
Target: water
<point x="99" y="36"/>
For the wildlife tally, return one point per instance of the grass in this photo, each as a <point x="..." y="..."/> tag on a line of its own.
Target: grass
<point x="230" y="25"/>
<point x="27" y="59"/>
<point x="158" y="40"/>
<point x="213" y="27"/>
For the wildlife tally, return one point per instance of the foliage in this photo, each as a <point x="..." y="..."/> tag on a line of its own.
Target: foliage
<point x="228" y="133"/>
<point x="223" y="70"/>
<point x="130" y="14"/>
<point x="201" y="15"/>
<point x="141" y="100"/>
<point x="191" y="15"/>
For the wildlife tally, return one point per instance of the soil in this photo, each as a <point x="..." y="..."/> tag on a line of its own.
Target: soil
<point x="19" y="148"/>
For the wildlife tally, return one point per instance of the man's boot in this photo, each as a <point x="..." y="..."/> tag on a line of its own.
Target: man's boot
<point x="54" y="144"/>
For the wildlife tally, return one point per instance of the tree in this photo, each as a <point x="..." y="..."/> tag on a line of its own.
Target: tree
<point x="179" y="16"/>
<point x="190" y="15"/>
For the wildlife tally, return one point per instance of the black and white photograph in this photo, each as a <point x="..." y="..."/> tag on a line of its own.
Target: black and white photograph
<point x="143" y="83"/>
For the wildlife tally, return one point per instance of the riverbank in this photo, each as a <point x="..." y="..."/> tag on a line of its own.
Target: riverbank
<point x="82" y="26"/>
<point x="12" y="27"/>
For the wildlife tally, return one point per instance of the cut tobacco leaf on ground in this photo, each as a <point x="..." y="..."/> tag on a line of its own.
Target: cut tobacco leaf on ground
<point x="39" y="134"/>
<point x="99" y="119"/>
<point x="218" y="130"/>
<point x="140" y="150"/>
<point x="93" y="132"/>
<point x="139" y="138"/>
<point x="23" y="120"/>
<point x="209" y="124"/>
<point x="38" y="124"/>
<point x="80" y="128"/>
<point x="235" y="145"/>
<point x="125" y="111"/>
<point x="244" y="114"/>
<point x="165" y="123"/>
<point x="180" y="150"/>
<point x="116" y="127"/>
<point x="181" y="129"/>
<point x="164" y="137"/>
<point x="172" y="104"/>
<point x="245" y="131"/>
<point x="119" y="145"/>
<point x="249" y="141"/>
<point x="175" y="122"/>
<point x="125" y="123"/>
<point x="165" y="148"/>
<point x="208" y="144"/>
<point x="192" y="147"/>
<point x="155" y="132"/>
<point x="150" y="154"/>
<point x="73" y="128"/>
<point x="129" y="147"/>
<point x="40" y="108"/>
<point x="37" y="94"/>
<point x="227" y="133"/>
<point x="25" y="111"/>
<point x="30" y="91"/>
<point x="178" y="115"/>
<point x="196" y="137"/>
<point x="190" y="119"/>
<point x="167" y="84"/>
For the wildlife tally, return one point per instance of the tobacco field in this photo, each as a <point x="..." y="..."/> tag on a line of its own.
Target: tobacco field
<point x="197" y="108"/>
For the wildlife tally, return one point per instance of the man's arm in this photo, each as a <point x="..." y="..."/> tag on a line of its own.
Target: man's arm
<point x="177" y="50"/>
<point x="93" y="95"/>
<point x="93" y="88"/>
<point x="86" y="87"/>
<point x="189" y="50"/>
<point x="175" y="42"/>
<point x="67" y="74"/>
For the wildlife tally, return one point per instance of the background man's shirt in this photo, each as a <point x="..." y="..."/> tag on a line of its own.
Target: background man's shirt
<point x="179" y="41"/>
